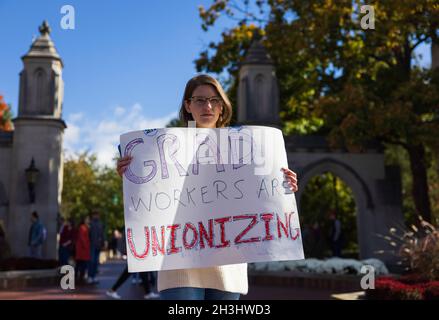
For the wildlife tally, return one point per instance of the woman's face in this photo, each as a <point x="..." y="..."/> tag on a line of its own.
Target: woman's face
<point x="206" y="113"/>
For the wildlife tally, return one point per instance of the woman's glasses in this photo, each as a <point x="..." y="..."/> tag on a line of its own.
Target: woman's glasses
<point x="201" y="101"/>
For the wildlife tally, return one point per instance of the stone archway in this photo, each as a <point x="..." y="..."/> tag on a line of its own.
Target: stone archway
<point x="362" y="196"/>
<point x="376" y="187"/>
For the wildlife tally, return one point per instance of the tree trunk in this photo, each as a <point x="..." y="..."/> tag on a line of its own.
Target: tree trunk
<point x="420" y="184"/>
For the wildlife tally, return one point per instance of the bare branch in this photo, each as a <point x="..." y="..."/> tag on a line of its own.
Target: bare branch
<point x="417" y="43"/>
<point x="233" y="5"/>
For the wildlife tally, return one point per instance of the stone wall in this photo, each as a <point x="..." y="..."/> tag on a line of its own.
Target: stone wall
<point x="5" y="162"/>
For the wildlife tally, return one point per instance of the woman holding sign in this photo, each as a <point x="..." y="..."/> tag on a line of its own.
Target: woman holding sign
<point x="206" y="103"/>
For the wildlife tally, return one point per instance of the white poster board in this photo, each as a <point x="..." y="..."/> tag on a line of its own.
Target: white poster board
<point x="206" y="197"/>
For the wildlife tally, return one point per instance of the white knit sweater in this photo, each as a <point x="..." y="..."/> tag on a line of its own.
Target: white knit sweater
<point x="231" y="278"/>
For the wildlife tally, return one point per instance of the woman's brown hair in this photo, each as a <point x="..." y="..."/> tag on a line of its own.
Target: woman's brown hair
<point x="204" y="79"/>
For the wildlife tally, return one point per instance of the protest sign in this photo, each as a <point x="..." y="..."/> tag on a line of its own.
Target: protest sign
<point x="205" y="197"/>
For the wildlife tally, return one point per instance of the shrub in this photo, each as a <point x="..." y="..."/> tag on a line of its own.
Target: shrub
<point x="432" y="291"/>
<point x="329" y="266"/>
<point x="387" y="288"/>
<point x="418" y="248"/>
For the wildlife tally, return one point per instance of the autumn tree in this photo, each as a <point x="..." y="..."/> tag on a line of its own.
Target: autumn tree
<point x="5" y="116"/>
<point x="355" y="85"/>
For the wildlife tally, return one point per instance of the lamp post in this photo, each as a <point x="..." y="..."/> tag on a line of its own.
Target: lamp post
<point x="32" y="176"/>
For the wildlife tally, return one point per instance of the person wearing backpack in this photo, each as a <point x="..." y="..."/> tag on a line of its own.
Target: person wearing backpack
<point x="37" y="235"/>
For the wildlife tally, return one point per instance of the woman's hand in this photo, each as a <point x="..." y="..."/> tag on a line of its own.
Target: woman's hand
<point x="291" y="178"/>
<point x="122" y="164"/>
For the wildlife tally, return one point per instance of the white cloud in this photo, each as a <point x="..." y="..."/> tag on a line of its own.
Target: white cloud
<point x="119" y="111"/>
<point x="73" y="131"/>
<point x="102" y="137"/>
<point x="74" y="117"/>
<point x="71" y="136"/>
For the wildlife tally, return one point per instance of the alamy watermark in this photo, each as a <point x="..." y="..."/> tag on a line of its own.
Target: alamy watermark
<point x="368" y="20"/>
<point x="68" y="20"/>
<point x="67" y="281"/>
<point x="368" y="280"/>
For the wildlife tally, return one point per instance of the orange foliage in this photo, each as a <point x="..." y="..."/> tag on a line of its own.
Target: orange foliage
<point x="5" y="116"/>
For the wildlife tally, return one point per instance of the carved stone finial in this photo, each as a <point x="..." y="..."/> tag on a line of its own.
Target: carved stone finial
<point x="44" y="28"/>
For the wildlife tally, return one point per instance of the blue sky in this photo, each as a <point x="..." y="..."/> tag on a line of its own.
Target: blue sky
<point x="125" y="64"/>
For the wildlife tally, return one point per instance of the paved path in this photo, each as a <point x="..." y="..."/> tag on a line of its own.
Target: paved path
<point x="111" y="270"/>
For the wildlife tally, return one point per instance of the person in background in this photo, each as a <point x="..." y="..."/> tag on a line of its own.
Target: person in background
<point x="319" y="238"/>
<point x="96" y="245"/>
<point x="82" y="249"/>
<point x="136" y="278"/>
<point x="146" y="278"/>
<point x="335" y="235"/>
<point x="36" y="236"/>
<point x="121" y="245"/>
<point x="151" y="277"/>
<point x="146" y="282"/>
<point x="65" y="242"/>
<point x="113" y="245"/>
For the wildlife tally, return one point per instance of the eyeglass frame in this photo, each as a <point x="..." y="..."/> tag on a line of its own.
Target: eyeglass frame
<point x="207" y="99"/>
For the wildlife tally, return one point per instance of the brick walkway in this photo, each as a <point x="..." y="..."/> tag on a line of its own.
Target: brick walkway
<point x="111" y="270"/>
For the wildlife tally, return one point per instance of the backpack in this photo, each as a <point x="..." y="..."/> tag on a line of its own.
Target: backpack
<point x="44" y="231"/>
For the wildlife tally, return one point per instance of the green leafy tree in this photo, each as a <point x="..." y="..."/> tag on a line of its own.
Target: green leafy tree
<point x="110" y="184"/>
<point x="88" y="186"/>
<point x="175" y="123"/>
<point x="325" y="193"/>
